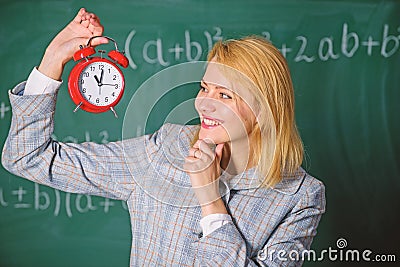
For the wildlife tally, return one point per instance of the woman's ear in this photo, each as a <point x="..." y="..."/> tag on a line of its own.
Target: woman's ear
<point x="257" y="112"/>
<point x="258" y="115"/>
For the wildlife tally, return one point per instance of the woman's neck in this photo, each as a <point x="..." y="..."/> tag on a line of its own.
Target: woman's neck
<point x="237" y="157"/>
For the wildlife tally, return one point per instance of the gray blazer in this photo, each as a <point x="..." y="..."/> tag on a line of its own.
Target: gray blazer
<point x="269" y="226"/>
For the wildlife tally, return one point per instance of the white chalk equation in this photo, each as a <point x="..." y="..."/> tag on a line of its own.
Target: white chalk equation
<point x="53" y="200"/>
<point x="156" y="52"/>
<point x="4" y="109"/>
<point x="195" y="45"/>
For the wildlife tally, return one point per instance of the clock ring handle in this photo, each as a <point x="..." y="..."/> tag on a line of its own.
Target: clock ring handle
<point x="109" y="38"/>
<point x="116" y="55"/>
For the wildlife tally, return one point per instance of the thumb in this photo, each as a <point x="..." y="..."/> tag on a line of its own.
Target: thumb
<point x="99" y="40"/>
<point x="77" y="41"/>
<point x="69" y="48"/>
<point x="218" y="151"/>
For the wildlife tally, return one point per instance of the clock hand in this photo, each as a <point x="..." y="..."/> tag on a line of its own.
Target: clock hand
<point x="97" y="79"/>
<point x="109" y="84"/>
<point x="101" y="76"/>
<point x="98" y="83"/>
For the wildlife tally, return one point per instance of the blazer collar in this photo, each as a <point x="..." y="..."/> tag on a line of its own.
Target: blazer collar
<point x="249" y="180"/>
<point x="290" y="184"/>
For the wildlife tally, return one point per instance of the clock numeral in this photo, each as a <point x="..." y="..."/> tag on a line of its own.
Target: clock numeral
<point x="83" y="89"/>
<point x="106" y="99"/>
<point x="82" y="81"/>
<point x="97" y="100"/>
<point x="116" y="86"/>
<point x="101" y="67"/>
<point x="86" y="74"/>
<point x="90" y="96"/>
<point x="113" y="94"/>
<point x="114" y="77"/>
<point x="92" y="68"/>
<point x="109" y="70"/>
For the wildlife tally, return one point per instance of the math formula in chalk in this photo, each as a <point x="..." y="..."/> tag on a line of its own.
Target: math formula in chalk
<point x="40" y="198"/>
<point x="156" y="51"/>
<point x="193" y="45"/>
<point x="3" y="110"/>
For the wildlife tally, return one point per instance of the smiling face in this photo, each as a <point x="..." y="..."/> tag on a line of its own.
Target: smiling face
<point x="226" y="116"/>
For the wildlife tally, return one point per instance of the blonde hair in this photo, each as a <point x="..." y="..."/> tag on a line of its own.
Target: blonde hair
<point x="278" y="150"/>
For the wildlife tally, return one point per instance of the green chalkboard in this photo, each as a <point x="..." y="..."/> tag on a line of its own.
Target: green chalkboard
<point x="345" y="62"/>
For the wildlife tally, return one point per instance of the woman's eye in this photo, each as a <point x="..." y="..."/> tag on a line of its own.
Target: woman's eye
<point x="203" y="89"/>
<point x="225" y="96"/>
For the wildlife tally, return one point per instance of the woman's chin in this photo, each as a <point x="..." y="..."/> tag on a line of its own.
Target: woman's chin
<point x="215" y="138"/>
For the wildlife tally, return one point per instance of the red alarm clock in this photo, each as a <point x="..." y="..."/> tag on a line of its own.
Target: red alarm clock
<point x="96" y="84"/>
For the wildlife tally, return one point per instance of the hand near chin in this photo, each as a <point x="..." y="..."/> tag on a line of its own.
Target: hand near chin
<point x="203" y="167"/>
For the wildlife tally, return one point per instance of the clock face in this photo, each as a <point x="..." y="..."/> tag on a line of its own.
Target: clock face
<point x="100" y="83"/>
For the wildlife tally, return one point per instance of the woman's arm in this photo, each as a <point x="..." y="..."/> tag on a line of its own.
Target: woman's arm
<point x="29" y="150"/>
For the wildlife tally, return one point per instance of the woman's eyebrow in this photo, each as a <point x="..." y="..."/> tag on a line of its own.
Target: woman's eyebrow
<point x="217" y="86"/>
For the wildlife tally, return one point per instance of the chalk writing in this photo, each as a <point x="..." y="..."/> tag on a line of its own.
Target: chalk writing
<point x="195" y="46"/>
<point x="350" y="45"/>
<point x="40" y="198"/>
<point x="155" y="52"/>
<point x="3" y="110"/>
<point x="20" y="193"/>
<point x="3" y="202"/>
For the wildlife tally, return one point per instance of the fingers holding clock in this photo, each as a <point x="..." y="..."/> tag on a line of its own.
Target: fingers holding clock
<point x="79" y="15"/>
<point x="84" y="26"/>
<point x="92" y="23"/>
<point x="95" y="26"/>
<point x="88" y="20"/>
<point x="61" y="49"/>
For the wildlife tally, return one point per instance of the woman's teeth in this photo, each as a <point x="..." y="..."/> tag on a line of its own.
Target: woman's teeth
<point x="209" y="122"/>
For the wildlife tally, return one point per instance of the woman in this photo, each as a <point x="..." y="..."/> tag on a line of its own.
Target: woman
<point x="254" y="205"/>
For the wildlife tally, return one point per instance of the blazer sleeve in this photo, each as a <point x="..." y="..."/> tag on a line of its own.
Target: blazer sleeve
<point x="226" y="246"/>
<point x="87" y="168"/>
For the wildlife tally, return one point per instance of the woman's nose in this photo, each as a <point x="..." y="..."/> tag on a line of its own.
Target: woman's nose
<point x="206" y="104"/>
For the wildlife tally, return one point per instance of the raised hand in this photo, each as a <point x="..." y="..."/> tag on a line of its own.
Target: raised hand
<point x="61" y="49"/>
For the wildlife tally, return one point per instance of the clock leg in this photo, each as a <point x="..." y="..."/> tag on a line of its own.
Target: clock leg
<point x="78" y="107"/>
<point x="113" y="111"/>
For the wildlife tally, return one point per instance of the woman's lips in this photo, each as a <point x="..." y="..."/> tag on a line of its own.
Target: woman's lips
<point x="209" y="123"/>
